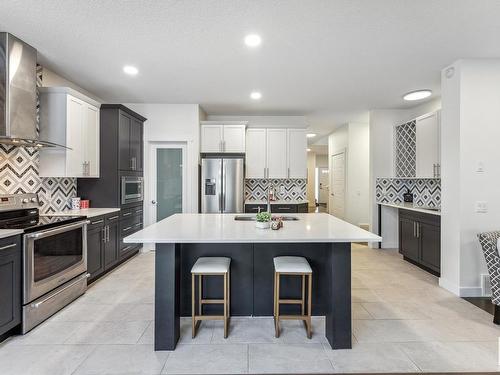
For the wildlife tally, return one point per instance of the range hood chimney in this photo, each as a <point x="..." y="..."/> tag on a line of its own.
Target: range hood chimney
<point x="18" y="93"/>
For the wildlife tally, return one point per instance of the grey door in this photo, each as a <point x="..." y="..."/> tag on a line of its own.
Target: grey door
<point x="232" y="186"/>
<point x="211" y="185"/>
<point x="169" y="187"/>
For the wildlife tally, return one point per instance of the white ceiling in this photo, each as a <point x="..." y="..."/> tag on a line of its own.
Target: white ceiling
<point x="331" y="60"/>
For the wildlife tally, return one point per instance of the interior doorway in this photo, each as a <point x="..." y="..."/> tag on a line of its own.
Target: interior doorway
<point x="337" y="185"/>
<point x="168" y="187"/>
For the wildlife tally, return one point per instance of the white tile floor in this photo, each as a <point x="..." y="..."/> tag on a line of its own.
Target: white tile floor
<point x="402" y="322"/>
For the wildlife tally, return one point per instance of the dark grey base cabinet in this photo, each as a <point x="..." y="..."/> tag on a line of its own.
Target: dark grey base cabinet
<point x="420" y="239"/>
<point x="105" y="248"/>
<point x="278" y="208"/>
<point x="10" y="284"/>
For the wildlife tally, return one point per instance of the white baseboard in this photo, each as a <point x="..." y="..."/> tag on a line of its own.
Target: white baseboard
<point x="390" y="245"/>
<point x="471" y="291"/>
<point x="449" y="286"/>
<point x="147" y="247"/>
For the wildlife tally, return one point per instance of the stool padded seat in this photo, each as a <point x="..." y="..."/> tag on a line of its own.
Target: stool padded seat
<point x="211" y="265"/>
<point x="289" y="264"/>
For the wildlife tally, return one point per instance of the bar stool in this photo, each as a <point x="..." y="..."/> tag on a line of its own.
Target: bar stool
<point x="298" y="266"/>
<point x="205" y="266"/>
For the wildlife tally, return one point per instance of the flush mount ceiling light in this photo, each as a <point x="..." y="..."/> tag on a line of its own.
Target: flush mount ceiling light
<point x="253" y="40"/>
<point x="308" y="150"/>
<point x="417" y="95"/>
<point x="311" y="135"/>
<point x="255" y="95"/>
<point x="130" y="70"/>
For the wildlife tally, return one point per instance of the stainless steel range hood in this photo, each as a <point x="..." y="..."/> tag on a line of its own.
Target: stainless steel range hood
<point x="18" y="93"/>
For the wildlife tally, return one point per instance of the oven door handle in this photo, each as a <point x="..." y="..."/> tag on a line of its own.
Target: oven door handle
<point x="59" y="230"/>
<point x="36" y="305"/>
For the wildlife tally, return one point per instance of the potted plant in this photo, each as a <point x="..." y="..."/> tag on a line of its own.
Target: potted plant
<point x="263" y="220"/>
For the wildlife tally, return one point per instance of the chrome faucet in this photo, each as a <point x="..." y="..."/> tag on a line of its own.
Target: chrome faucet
<point x="269" y="190"/>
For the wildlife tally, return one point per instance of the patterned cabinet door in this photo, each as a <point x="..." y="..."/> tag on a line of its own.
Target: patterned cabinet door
<point x="405" y="152"/>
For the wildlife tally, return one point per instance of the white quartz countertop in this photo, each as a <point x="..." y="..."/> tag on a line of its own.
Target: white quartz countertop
<point x="9" y="232"/>
<point x="205" y="228"/>
<point x="88" y="212"/>
<point x="412" y="207"/>
<point x="297" y="201"/>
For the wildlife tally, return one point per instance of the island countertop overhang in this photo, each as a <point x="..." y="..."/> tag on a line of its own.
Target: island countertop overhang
<point x="222" y="228"/>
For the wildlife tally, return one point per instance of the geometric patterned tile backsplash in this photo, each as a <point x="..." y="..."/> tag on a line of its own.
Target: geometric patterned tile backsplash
<point x="426" y="191"/>
<point x="19" y="174"/>
<point x="295" y="189"/>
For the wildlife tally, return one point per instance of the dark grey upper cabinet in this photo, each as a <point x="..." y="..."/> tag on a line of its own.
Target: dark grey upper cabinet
<point x="136" y="146"/>
<point x="10" y="283"/>
<point x="124" y="123"/>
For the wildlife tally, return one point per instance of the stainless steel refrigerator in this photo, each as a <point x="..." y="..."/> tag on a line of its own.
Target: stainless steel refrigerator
<point x="222" y="185"/>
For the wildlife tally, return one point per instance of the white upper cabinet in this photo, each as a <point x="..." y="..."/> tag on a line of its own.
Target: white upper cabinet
<point x="211" y="138"/>
<point x="297" y="153"/>
<point x="69" y="118"/>
<point x="276" y="153"/>
<point x="255" y="156"/>
<point x="428" y="145"/>
<point x="277" y="163"/>
<point x="223" y="137"/>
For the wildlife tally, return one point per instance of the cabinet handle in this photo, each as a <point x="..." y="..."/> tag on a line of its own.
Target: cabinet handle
<point x="8" y="246"/>
<point x="107" y="233"/>
<point x="113" y="217"/>
<point x="138" y="225"/>
<point x="414" y="229"/>
<point x="138" y="211"/>
<point x="97" y="222"/>
<point x="284" y="208"/>
<point x="127" y="214"/>
<point x="288" y="173"/>
<point x="418" y="230"/>
<point x="126" y="229"/>
<point x="103" y="230"/>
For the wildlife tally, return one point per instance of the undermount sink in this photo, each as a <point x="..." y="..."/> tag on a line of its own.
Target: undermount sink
<point x="252" y="218"/>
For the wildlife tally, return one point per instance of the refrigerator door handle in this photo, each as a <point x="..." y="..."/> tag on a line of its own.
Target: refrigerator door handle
<point x="224" y="186"/>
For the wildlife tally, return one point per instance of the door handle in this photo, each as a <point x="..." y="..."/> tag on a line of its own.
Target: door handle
<point x="153" y="202"/>
<point x="414" y="229"/>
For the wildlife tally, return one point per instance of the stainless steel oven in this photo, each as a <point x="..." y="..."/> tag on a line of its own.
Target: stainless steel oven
<point x="54" y="270"/>
<point x="132" y="189"/>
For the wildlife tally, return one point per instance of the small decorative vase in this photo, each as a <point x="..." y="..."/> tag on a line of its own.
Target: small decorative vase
<point x="262" y="224"/>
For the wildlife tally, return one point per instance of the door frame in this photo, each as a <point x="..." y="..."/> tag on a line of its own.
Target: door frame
<point x="330" y="206"/>
<point x="151" y="190"/>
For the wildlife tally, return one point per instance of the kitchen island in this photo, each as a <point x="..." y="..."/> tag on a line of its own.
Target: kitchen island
<point x="321" y="238"/>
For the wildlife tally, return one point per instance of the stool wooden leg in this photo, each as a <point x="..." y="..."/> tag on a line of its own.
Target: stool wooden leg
<point x="225" y="305"/>
<point x="229" y="295"/>
<point x="303" y="293"/>
<point x="193" y="307"/>
<point x="274" y="300"/>
<point x="309" y="307"/>
<point x="277" y="324"/>
<point x="200" y="295"/>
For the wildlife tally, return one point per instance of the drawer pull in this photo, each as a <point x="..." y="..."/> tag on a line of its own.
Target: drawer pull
<point x="126" y="229"/>
<point x="8" y="246"/>
<point x="97" y="222"/>
<point x="127" y="214"/>
<point x="113" y="217"/>
<point x="139" y="211"/>
<point x="138" y="225"/>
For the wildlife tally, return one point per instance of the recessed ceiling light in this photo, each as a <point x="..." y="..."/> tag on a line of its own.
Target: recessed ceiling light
<point x="131" y="70"/>
<point x="308" y="150"/>
<point x="253" y="40"/>
<point x="417" y="95"/>
<point x="311" y="135"/>
<point x="255" y="95"/>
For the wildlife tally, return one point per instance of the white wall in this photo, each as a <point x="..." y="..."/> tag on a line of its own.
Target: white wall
<point x="171" y="123"/>
<point x="321" y="161"/>
<point x="52" y="79"/>
<point x="311" y="180"/>
<point x="265" y="121"/>
<point x="354" y="139"/>
<point x="381" y="134"/>
<point x="470" y="118"/>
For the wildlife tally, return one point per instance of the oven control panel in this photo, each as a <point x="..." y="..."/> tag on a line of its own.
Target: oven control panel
<point x="18" y="201"/>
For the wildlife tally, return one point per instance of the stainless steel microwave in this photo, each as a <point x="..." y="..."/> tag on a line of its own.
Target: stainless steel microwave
<point x="132" y="189"/>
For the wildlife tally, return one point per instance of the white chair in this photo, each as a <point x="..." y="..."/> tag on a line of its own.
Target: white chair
<point x="298" y="266"/>
<point x="205" y="266"/>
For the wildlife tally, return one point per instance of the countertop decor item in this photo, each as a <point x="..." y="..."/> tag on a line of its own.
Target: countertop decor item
<point x="408" y="196"/>
<point x="263" y="220"/>
<point x="276" y="223"/>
